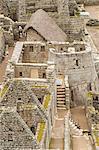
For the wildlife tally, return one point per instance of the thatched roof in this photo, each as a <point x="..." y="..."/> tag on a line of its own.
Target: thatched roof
<point x="46" y="27"/>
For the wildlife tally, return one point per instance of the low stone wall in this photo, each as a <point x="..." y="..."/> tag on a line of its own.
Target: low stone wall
<point x="67" y="93"/>
<point x="88" y="2"/>
<point x="2" y="45"/>
<point x="67" y="138"/>
<point x="91" y="2"/>
<point x="9" y="38"/>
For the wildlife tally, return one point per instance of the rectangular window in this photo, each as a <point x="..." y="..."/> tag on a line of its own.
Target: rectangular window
<point x="42" y="48"/>
<point x="20" y="74"/>
<point x="77" y="63"/>
<point x="31" y="49"/>
<point x="44" y="75"/>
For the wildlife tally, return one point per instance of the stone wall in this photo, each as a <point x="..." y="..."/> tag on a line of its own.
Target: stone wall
<point x="67" y="138"/>
<point x="35" y="53"/>
<point x="76" y="65"/>
<point x="67" y="93"/>
<point x="21" y="11"/>
<point x="72" y="7"/>
<point x="30" y="71"/>
<point x="32" y="35"/>
<point x="14" y="133"/>
<point x="2" y="45"/>
<point x="91" y="2"/>
<point x="30" y="110"/>
<point x="9" y="38"/>
<point x="3" y="7"/>
<point x="7" y="24"/>
<point x="88" y="2"/>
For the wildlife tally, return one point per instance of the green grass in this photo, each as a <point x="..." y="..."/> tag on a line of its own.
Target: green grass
<point x="3" y="91"/>
<point x="46" y="101"/>
<point x="41" y="131"/>
<point x="89" y="94"/>
<point x="96" y="134"/>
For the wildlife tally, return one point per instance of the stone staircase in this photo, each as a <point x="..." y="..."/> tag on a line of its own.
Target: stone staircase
<point x="75" y="128"/>
<point x="61" y="97"/>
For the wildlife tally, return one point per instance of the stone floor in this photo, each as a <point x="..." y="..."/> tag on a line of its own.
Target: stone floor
<point x="94" y="31"/>
<point x="78" y="115"/>
<point x="78" y="142"/>
<point x="81" y="142"/>
<point x="57" y="138"/>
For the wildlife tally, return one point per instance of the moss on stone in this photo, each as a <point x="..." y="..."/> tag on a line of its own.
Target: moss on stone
<point x="96" y="134"/>
<point x="89" y="94"/>
<point x="41" y="131"/>
<point x="3" y="91"/>
<point x="46" y="101"/>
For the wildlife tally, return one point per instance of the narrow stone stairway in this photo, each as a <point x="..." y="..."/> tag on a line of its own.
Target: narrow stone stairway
<point x="61" y="97"/>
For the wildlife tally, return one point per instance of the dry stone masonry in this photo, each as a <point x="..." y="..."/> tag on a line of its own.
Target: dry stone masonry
<point x="53" y="68"/>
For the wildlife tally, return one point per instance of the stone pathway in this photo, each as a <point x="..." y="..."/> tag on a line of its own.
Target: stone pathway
<point x="80" y="142"/>
<point x="57" y="138"/>
<point x="79" y="116"/>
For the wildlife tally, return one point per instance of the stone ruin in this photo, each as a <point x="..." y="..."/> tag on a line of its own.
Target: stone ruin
<point x="36" y="69"/>
<point x="32" y="115"/>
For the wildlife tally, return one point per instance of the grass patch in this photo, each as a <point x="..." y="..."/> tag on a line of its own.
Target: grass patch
<point x="47" y="99"/>
<point x="90" y="94"/>
<point x="41" y="131"/>
<point x="96" y="134"/>
<point x="3" y="91"/>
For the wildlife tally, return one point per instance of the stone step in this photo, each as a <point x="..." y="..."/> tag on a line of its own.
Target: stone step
<point x="60" y="102"/>
<point x="60" y="92"/>
<point x="61" y="108"/>
<point x="60" y="87"/>
<point x="60" y="96"/>
<point x="60" y="105"/>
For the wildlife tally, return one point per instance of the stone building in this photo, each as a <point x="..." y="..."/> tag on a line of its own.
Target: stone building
<point x="70" y="59"/>
<point x="26" y="114"/>
<point x="74" y="59"/>
<point x="70" y="23"/>
<point x="43" y="28"/>
<point x="34" y="85"/>
<point x="53" y="70"/>
<point x="65" y="15"/>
